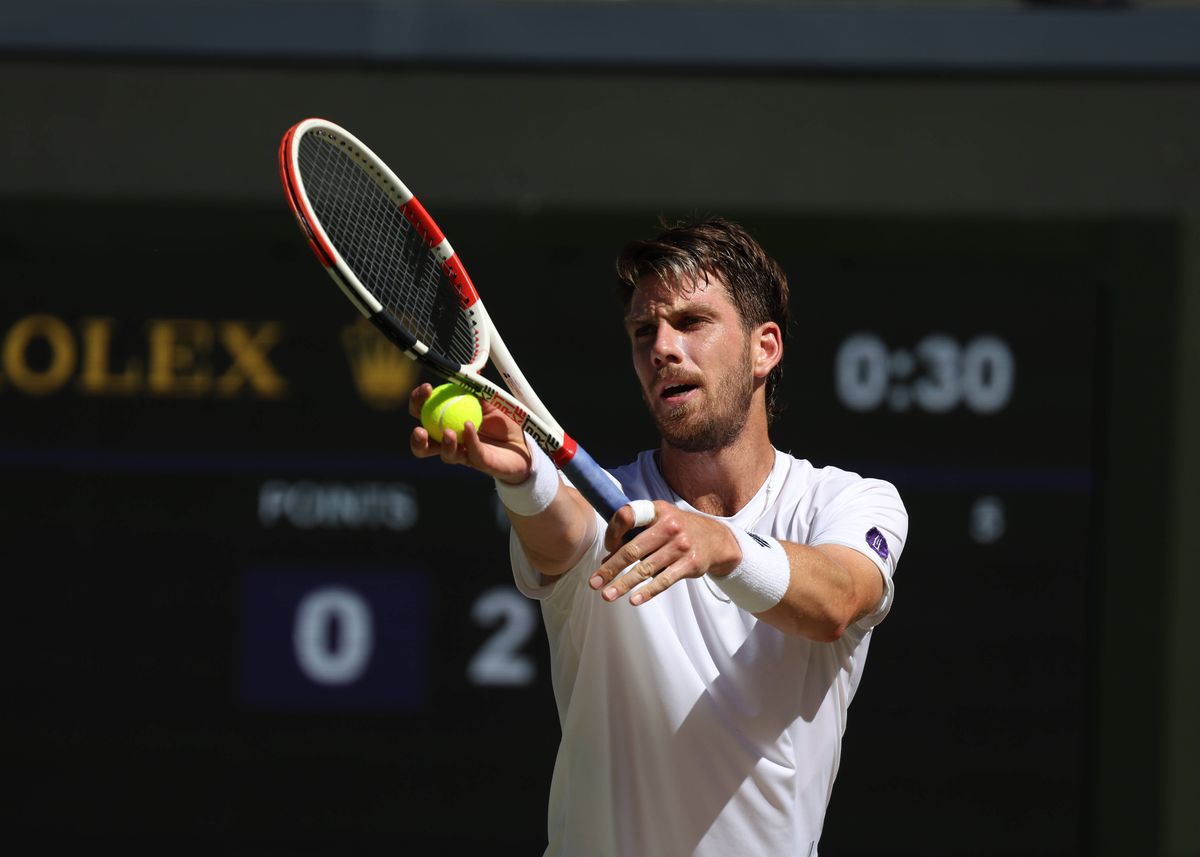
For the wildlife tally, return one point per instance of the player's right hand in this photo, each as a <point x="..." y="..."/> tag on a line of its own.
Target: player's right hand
<point x="495" y="447"/>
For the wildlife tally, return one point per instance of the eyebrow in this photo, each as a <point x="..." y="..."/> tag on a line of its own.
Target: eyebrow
<point x="693" y="307"/>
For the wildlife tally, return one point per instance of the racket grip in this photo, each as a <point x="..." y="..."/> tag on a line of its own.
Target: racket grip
<point x="597" y="487"/>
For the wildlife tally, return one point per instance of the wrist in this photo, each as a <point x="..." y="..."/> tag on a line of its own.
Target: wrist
<point x="537" y="491"/>
<point x="760" y="579"/>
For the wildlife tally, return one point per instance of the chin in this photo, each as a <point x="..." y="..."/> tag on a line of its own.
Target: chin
<point x="702" y="438"/>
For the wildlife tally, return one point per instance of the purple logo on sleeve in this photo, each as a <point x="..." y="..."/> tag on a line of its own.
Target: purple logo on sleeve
<point x="877" y="542"/>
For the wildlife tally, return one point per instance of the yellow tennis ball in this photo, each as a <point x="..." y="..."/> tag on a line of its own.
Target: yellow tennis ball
<point x="450" y="406"/>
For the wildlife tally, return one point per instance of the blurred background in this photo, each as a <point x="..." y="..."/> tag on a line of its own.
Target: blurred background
<point x="241" y="619"/>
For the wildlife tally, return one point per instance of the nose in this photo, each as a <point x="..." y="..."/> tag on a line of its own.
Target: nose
<point x="665" y="349"/>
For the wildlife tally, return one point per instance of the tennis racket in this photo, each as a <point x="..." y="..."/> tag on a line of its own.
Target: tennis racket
<point x="394" y="264"/>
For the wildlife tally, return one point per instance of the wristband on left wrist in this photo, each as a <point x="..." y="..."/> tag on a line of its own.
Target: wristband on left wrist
<point x="761" y="579"/>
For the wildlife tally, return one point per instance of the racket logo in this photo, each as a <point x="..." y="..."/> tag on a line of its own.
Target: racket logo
<point x="543" y="439"/>
<point x="516" y="414"/>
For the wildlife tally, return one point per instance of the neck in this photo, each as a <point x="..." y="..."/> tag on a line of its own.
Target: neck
<point x="721" y="481"/>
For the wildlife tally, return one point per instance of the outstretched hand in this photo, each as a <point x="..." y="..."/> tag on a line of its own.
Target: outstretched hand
<point x="676" y="546"/>
<point x="496" y="447"/>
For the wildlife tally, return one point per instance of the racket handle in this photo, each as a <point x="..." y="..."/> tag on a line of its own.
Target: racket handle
<point x="597" y="487"/>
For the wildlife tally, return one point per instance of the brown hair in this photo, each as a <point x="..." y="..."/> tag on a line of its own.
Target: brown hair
<point x="691" y="250"/>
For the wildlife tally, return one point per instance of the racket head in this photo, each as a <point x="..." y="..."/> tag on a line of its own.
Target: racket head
<point x="391" y="260"/>
<point x="382" y="247"/>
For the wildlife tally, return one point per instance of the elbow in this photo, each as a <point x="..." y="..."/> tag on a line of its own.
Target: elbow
<point x="557" y="550"/>
<point x="826" y="627"/>
<point x="830" y="625"/>
<point x="829" y="632"/>
<point x="818" y="633"/>
<point x="832" y="622"/>
<point x="557" y="558"/>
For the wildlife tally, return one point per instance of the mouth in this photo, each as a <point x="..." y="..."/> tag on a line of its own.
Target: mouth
<point x="677" y="394"/>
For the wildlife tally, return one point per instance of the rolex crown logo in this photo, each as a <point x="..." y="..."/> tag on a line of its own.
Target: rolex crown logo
<point x="382" y="374"/>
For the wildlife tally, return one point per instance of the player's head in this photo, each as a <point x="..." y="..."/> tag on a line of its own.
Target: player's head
<point x="690" y="251"/>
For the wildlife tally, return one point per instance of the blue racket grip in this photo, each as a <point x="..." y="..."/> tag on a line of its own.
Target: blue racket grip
<point x="596" y="486"/>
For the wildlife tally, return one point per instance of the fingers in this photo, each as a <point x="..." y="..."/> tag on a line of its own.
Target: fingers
<point x="637" y="513"/>
<point x="621" y="523"/>
<point x="419" y="441"/>
<point x="647" y="577"/>
<point x="495" y="447"/>
<point x="417" y="398"/>
<point x="677" y="545"/>
<point x="652" y="561"/>
<point x="451" y="448"/>
<point x="655" y="585"/>
<point x="472" y="448"/>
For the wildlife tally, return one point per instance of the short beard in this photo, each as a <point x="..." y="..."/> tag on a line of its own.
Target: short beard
<point x="718" y="427"/>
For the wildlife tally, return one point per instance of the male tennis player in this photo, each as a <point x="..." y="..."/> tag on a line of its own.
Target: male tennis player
<point x="704" y="669"/>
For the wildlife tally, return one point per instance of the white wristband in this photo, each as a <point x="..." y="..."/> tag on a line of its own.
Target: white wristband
<point x="537" y="492"/>
<point x="761" y="579"/>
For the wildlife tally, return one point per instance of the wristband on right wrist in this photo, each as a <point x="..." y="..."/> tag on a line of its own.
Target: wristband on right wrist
<point x="537" y="492"/>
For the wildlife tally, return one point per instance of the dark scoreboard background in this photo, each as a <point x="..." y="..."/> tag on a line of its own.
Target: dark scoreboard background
<point x="240" y="616"/>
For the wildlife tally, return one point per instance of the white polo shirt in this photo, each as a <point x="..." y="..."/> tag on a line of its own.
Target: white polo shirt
<point x="689" y="726"/>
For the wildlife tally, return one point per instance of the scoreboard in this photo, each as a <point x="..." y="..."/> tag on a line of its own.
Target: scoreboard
<point x="243" y="616"/>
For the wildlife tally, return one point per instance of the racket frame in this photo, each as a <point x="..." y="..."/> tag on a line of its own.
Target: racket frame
<point x="522" y="404"/>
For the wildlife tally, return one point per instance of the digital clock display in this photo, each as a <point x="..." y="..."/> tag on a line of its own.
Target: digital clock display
<point x="936" y="375"/>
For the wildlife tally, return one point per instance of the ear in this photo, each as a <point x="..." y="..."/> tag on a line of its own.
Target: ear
<point x="766" y="348"/>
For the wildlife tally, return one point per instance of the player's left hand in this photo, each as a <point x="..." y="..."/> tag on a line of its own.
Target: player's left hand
<point x="676" y="546"/>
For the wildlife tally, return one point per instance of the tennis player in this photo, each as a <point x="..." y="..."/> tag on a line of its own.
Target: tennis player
<point x="702" y="670"/>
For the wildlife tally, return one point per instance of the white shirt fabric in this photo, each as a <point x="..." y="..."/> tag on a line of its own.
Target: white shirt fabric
<point x="689" y="727"/>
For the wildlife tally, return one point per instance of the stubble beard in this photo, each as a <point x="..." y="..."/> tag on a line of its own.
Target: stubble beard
<point x="726" y="407"/>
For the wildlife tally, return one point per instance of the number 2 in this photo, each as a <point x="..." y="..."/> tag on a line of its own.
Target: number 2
<point x="500" y="660"/>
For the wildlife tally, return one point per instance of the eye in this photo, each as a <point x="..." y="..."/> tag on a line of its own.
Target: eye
<point x="642" y="331"/>
<point x="691" y="321"/>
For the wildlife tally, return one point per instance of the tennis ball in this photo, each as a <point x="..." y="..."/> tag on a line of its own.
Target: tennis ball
<point x="450" y="406"/>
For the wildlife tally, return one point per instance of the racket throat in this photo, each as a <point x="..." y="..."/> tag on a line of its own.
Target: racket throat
<point x="564" y="453"/>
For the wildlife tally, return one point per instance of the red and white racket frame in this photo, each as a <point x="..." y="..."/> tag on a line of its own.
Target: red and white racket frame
<point x="523" y="405"/>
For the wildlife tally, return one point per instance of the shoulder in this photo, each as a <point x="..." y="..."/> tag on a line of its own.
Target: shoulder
<point x="832" y="505"/>
<point x="802" y="479"/>
<point x="822" y="488"/>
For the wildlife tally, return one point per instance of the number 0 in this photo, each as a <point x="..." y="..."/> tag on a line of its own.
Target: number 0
<point x="325" y="657"/>
<point x="989" y="371"/>
<point x="861" y="372"/>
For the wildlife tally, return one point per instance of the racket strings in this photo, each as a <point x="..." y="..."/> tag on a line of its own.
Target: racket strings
<point x="386" y="252"/>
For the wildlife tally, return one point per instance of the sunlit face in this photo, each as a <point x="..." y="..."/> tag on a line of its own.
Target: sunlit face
<point x="692" y="358"/>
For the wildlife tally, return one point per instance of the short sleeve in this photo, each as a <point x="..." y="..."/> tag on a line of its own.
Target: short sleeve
<point x="868" y="516"/>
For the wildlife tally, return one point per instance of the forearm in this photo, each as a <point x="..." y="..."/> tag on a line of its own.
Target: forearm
<point x="811" y="591"/>
<point x="553" y="521"/>
<point x="814" y="592"/>
<point x="823" y="596"/>
<point x="556" y="538"/>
